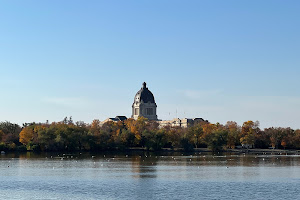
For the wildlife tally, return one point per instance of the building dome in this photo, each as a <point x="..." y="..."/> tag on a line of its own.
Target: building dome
<point x="144" y="104"/>
<point x="144" y="95"/>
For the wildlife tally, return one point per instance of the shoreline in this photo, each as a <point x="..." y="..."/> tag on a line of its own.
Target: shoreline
<point x="169" y="150"/>
<point x="262" y="151"/>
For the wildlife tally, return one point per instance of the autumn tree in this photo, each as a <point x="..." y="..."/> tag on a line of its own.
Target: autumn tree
<point x="95" y="127"/>
<point x="234" y="134"/>
<point x="249" y="129"/>
<point x="137" y="127"/>
<point x="26" y="135"/>
<point x="287" y="137"/>
<point x="195" y="134"/>
<point x="274" y="136"/>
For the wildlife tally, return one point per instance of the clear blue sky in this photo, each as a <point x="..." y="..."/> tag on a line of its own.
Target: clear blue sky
<point x="219" y="60"/>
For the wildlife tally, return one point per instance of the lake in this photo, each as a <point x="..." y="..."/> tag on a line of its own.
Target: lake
<point x="140" y="175"/>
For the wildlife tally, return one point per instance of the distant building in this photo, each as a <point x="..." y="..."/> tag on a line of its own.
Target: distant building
<point x="185" y="122"/>
<point x="144" y="106"/>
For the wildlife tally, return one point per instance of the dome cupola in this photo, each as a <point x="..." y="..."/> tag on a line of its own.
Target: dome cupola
<point x="144" y="95"/>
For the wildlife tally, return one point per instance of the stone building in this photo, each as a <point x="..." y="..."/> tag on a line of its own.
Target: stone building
<point x="185" y="122"/>
<point x="144" y="104"/>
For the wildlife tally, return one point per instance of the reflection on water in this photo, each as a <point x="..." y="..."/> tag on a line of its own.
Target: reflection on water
<point x="144" y="166"/>
<point x="147" y="175"/>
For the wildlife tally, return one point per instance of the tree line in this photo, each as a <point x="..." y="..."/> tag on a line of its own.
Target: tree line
<point x="142" y="133"/>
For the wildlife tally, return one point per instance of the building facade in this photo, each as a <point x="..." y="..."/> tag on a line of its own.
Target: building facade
<point x="184" y="123"/>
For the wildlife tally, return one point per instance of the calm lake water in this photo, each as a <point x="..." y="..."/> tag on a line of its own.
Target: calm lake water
<point x="149" y="176"/>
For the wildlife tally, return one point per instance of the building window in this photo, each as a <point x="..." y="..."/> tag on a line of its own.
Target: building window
<point x="136" y="111"/>
<point x="149" y="111"/>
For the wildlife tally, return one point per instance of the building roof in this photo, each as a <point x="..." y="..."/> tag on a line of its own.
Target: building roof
<point x="114" y="119"/>
<point x="145" y="95"/>
<point x="121" y="118"/>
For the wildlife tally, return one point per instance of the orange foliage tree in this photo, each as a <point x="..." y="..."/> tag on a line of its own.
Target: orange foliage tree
<point x="26" y="135"/>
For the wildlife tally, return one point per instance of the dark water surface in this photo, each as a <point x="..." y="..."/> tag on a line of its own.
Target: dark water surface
<point x="149" y="176"/>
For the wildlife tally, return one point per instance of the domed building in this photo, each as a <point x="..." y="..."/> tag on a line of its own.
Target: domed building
<point x="144" y="104"/>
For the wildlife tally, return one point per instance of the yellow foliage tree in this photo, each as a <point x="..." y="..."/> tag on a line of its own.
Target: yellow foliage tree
<point x="249" y="129"/>
<point x="137" y="127"/>
<point x="95" y="127"/>
<point x="26" y="135"/>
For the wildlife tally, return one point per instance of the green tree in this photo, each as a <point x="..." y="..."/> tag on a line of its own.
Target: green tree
<point x="217" y="140"/>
